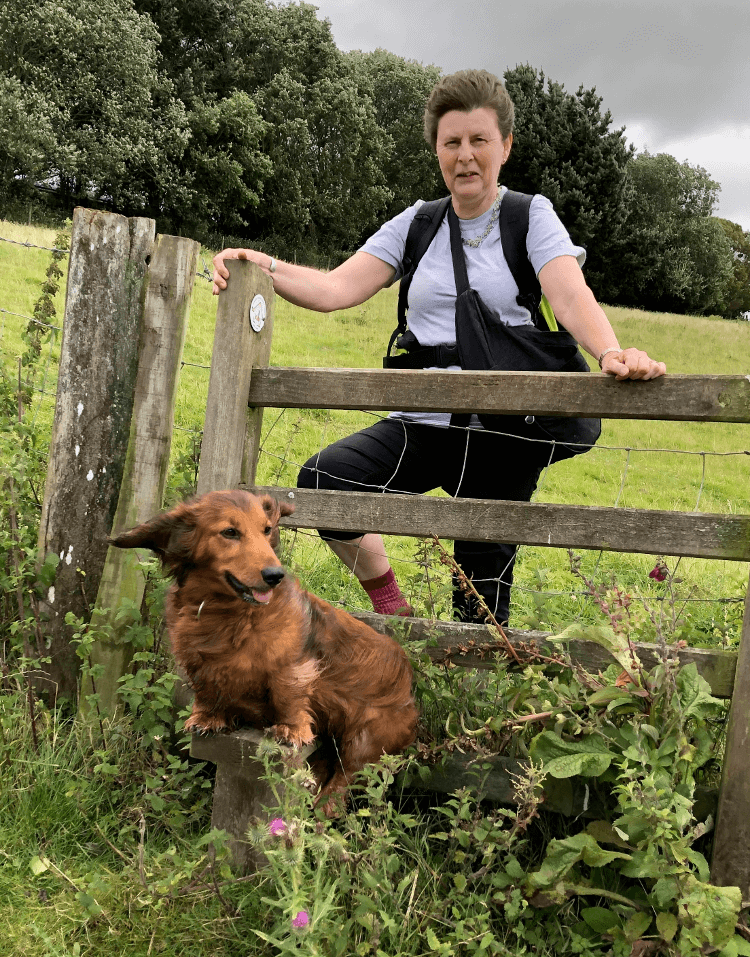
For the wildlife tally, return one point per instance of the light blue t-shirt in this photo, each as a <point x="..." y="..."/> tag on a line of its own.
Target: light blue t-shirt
<point x="432" y="294"/>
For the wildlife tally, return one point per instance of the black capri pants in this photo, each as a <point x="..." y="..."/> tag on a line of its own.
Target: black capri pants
<point x="395" y="455"/>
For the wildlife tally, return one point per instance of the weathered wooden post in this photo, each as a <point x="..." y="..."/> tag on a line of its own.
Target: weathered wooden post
<point x="242" y="342"/>
<point x="98" y="364"/>
<point x="169" y="286"/>
<point x="730" y="864"/>
<point x="229" y="455"/>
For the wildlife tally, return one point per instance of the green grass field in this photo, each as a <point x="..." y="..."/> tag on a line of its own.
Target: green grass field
<point x="660" y="465"/>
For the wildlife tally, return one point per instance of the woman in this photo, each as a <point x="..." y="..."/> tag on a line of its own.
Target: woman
<point x="469" y="124"/>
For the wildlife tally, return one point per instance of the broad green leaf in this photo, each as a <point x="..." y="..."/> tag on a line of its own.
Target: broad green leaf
<point x="588" y="757"/>
<point x="600" y="919"/>
<point x="711" y="912"/>
<point x="636" y="926"/>
<point x="609" y="695"/>
<point x="605" y="833"/>
<point x="605" y="637"/>
<point x="562" y="855"/>
<point x="694" y="692"/>
<point x="38" y="865"/>
<point x="665" y="890"/>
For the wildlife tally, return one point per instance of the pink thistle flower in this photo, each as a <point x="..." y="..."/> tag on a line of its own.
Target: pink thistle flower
<point x="276" y="827"/>
<point x="300" y="920"/>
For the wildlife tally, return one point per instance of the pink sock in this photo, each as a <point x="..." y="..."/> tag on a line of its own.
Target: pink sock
<point x="386" y="596"/>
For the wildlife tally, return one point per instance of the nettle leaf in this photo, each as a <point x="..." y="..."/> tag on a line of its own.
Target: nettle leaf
<point x="588" y="757"/>
<point x="564" y="854"/>
<point x="604" y="636"/>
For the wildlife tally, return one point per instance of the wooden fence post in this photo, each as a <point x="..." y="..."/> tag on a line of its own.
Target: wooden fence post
<point x="98" y="364"/>
<point x="242" y="342"/>
<point x="169" y="286"/>
<point x="730" y="864"/>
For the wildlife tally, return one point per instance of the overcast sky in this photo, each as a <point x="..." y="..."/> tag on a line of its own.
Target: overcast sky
<point x="675" y="73"/>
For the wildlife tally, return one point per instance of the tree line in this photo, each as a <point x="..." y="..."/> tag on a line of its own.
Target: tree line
<point x="240" y="121"/>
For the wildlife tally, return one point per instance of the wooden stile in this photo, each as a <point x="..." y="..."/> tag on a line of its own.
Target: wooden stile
<point x="705" y="398"/>
<point x="676" y="398"/>
<point x="641" y="531"/>
<point x="110" y="449"/>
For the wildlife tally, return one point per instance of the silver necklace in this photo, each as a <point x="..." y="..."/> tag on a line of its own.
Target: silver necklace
<point x="478" y="240"/>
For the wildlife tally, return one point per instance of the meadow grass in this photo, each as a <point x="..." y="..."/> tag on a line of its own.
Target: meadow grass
<point x="685" y="466"/>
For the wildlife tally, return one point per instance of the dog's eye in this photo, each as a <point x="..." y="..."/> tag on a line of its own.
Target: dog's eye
<point x="230" y="533"/>
<point x="268" y="529"/>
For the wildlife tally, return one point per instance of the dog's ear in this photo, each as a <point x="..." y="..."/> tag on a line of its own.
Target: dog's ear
<point x="166" y="535"/>
<point x="275" y="510"/>
<point x="286" y="508"/>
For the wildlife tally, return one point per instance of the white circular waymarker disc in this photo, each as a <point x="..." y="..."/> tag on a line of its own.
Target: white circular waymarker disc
<point x="257" y="313"/>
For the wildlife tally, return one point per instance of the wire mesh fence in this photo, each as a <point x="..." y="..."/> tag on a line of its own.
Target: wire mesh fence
<point x="290" y="436"/>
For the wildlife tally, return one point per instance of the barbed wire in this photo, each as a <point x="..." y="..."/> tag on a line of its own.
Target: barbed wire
<point x="204" y="274"/>
<point x="38" y="322"/>
<point x="50" y="249"/>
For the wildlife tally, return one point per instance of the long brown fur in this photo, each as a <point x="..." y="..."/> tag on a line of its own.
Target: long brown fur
<point x="262" y="651"/>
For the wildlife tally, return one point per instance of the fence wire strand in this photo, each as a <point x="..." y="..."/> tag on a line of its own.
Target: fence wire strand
<point x="285" y="460"/>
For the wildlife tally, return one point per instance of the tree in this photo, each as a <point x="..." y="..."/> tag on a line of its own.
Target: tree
<point x="109" y="126"/>
<point x="737" y="299"/>
<point x="564" y="148"/>
<point x="328" y="152"/>
<point x="212" y="48"/>
<point x="399" y="90"/>
<point x="322" y="182"/>
<point x="674" y="254"/>
<point x="24" y="145"/>
<point x="223" y="169"/>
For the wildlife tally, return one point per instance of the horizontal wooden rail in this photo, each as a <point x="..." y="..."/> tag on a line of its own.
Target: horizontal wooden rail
<point x="465" y="645"/>
<point x="643" y="531"/>
<point x="702" y="398"/>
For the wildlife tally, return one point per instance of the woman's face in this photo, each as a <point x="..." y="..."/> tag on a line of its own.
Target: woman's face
<point x="470" y="149"/>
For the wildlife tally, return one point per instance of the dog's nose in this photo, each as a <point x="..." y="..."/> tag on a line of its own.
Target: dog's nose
<point x="272" y="575"/>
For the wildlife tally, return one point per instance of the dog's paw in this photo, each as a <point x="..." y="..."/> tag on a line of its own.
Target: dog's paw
<point x="205" y="724"/>
<point x="295" y="735"/>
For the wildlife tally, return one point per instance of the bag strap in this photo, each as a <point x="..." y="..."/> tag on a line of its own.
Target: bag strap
<point x="514" y="228"/>
<point x="422" y="230"/>
<point x="457" y="253"/>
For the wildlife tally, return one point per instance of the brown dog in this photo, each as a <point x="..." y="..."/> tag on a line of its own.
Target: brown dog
<point x="256" y="648"/>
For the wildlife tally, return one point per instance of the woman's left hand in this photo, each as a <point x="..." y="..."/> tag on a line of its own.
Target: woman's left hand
<point x="632" y="364"/>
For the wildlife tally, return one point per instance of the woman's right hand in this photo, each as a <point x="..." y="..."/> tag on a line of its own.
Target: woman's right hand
<point x="350" y="284"/>
<point x="221" y="273"/>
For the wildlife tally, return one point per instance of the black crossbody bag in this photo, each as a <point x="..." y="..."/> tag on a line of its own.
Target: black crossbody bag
<point x="486" y="343"/>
